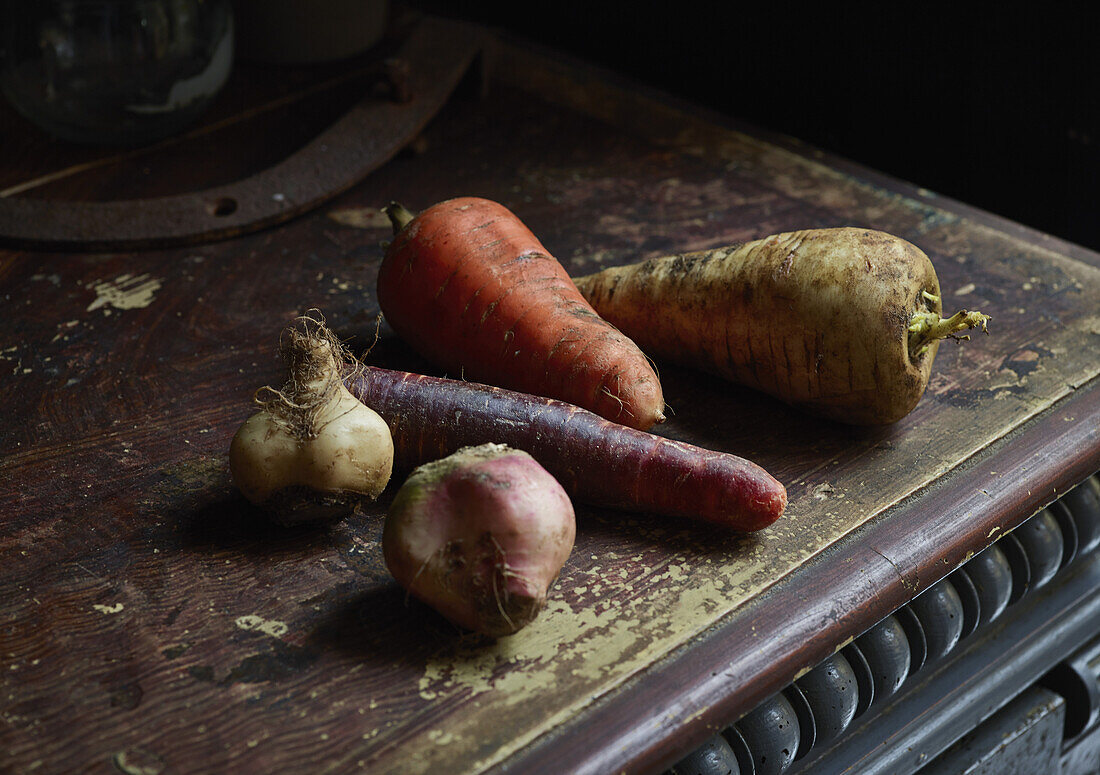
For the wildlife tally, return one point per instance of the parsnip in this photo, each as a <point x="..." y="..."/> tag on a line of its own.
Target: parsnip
<point x="843" y="322"/>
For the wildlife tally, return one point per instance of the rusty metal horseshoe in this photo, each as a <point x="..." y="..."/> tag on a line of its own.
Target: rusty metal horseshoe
<point x="422" y="75"/>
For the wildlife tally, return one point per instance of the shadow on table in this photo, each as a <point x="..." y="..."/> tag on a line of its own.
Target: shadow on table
<point x="233" y="523"/>
<point x="383" y="625"/>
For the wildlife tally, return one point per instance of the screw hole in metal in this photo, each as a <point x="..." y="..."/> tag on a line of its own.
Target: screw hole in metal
<point x="223" y="206"/>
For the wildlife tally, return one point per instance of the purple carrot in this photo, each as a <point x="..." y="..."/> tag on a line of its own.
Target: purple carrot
<point x="595" y="460"/>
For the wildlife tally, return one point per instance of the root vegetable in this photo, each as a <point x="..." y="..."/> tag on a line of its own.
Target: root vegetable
<point x="469" y="287"/>
<point x="480" y="536"/>
<point x="595" y="460"/>
<point x="313" y="451"/>
<point x="844" y="322"/>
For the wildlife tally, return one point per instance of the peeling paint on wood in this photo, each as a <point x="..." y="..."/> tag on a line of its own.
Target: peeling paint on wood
<point x="125" y="292"/>
<point x="137" y="584"/>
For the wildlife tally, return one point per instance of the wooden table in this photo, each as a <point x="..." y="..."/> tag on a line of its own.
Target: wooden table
<point x="152" y="621"/>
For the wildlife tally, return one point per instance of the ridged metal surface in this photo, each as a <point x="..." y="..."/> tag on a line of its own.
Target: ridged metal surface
<point x="714" y="757"/>
<point x="832" y="694"/>
<point x="818" y="707"/>
<point x="991" y="576"/>
<point x="887" y="652"/>
<point x="939" y="612"/>
<point x="772" y="734"/>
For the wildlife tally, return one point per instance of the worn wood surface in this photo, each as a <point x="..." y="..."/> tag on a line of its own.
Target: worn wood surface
<point x="150" y="618"/>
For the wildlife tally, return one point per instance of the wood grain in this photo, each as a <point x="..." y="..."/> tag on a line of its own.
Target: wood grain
<point x="149" y="617"/>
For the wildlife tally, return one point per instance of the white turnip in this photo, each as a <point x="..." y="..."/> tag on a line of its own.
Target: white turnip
<point x="313" y="451"/>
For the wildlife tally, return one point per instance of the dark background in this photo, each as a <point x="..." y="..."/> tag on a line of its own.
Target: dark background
<point x="1000" y="109"/>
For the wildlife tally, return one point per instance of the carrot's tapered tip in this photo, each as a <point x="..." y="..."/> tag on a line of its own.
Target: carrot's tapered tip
<point x="767" y="507"/>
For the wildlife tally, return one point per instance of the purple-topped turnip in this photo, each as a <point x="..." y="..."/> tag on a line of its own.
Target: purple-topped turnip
<point x="480" y="536"/>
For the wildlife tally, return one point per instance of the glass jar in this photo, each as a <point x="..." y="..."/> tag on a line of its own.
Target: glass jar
<point x="115" y="71"/>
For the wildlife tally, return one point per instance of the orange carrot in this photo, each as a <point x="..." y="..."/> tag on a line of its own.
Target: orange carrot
<point x="469" y="287"/>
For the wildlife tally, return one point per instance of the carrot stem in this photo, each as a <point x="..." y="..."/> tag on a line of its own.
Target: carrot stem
<point x="399" y="216"/>
<point x="927" y="326"/>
